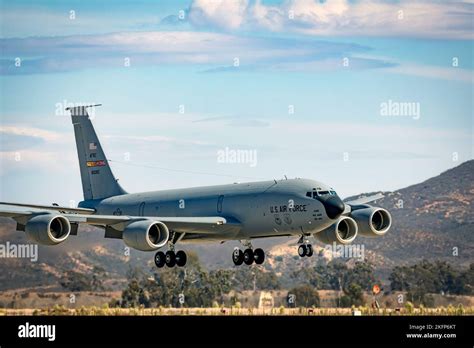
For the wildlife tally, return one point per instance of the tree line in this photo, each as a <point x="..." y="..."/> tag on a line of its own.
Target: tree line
<point x="423" y="279"/>
<point x="195" y="286"/>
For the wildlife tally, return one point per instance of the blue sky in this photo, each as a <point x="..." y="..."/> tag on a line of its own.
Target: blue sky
<point x="335" y="63"/>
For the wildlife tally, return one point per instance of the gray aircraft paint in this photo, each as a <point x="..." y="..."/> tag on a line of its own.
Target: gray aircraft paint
<point x="247" y="204"/>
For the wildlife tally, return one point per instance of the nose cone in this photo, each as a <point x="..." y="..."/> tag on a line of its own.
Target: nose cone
<point x="334" y="206"/>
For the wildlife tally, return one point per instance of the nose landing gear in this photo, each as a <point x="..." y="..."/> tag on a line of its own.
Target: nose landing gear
<point x="305" y="248"/>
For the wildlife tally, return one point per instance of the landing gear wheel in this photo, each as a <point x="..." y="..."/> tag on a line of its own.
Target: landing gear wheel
<point x="238" y="257"/>
<point x="309" y="250"/>
<point x="181" y="258"/>
<point x="248" y="256"/>
<point x="259" y="256"/>
<point x="160" y="259"/>
<point x="170" y="258"/>
<point x="302" y="250"/>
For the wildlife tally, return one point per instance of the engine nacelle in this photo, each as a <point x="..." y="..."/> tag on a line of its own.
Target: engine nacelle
<point x="48" y="229"/>
<point x="145" y="235"/>
<point x="344" y="231"/>
<point x="372" y="221"/>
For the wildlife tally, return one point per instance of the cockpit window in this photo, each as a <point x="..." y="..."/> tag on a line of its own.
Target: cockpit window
<point x="315" y="194"/>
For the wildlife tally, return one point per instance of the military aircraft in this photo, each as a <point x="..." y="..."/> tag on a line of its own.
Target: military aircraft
<point x="150" y="221"/>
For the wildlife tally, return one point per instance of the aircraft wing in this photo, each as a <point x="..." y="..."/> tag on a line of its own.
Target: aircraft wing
<point x="203" y="225"/>
<point x="19" y="209"/>
<point x="365" y="199"/>
<point x="185" y="224"/>
<point x="361" y="200"/>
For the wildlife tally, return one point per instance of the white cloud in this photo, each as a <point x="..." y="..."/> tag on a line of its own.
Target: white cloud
<point x="224" y="13"/>
<point x="451" y="19"/>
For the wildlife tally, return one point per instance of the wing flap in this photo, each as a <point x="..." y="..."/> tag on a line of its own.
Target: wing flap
<point x="205" y="224"/>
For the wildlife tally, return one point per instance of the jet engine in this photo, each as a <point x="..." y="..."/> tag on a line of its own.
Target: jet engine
<point x="48" y="229"/>
<point x="343" y="231"/>
<point x="372" y="221"/>
<point x="145" y="234"/>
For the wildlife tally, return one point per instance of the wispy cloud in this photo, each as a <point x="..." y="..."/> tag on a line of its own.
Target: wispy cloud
<point x="24" y="147"/>
<point x="207" y="52"/>
<point x="434" y="72"/>
<point x="41" y="18"/>
<point x="67" y="53"/>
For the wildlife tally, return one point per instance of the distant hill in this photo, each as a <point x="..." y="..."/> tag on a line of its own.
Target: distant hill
<point x="430" y="220"/>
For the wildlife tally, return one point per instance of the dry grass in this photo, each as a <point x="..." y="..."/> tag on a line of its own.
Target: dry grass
<point x="105" y="311"/>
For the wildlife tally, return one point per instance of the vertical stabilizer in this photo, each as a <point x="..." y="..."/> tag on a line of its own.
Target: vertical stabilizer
<point x="97" y="179"/>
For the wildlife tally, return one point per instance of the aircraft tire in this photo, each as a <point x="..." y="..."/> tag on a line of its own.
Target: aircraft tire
<point x="259" y="256"/>
<point x="309" y="250"/>
<point x="170" y="258"/>
<point x="302" y="250"/>
<point x="181" y="258"/>
<point x="248" y="256"/>
<point x="238" y="257"/>
<point x="160" y="259"/>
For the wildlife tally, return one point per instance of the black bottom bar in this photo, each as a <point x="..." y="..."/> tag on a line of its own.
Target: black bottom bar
<point x="140" y="330"/>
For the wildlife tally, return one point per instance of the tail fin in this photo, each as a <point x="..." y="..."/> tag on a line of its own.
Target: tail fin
<point x="97" y="179"/>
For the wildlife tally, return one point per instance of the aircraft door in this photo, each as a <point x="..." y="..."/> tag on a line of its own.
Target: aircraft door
<point x="220" y="201"/>
<point x="141" y="209"/>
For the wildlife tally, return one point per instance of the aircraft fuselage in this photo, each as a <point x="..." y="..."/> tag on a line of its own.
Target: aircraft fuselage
<point x="260" y="209"/>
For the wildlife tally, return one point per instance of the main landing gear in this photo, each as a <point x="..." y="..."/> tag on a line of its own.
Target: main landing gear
<point x="170" y="258"/>
<point x="248" y="256"/>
